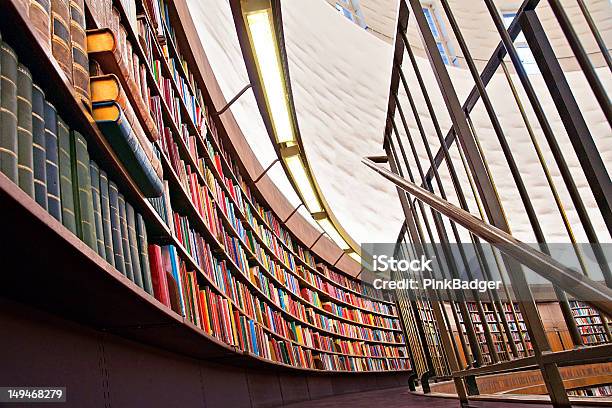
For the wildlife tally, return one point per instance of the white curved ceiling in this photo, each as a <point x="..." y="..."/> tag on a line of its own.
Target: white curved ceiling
<point x="340" y="81"/>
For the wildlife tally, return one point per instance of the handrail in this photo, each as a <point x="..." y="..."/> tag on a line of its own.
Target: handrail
<point x="598" y="295"/>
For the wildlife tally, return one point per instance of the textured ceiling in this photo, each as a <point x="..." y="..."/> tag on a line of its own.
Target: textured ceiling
<point x="340" y="80"/>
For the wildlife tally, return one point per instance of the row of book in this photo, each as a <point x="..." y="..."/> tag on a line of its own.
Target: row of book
<point x="60" y="25"/>
<point x="185" y="173"/>
<point x="235" y="247"/>
<point x="600" y="391"/>
<point x="50" y="162"/>
<point x="118" y="83"/>
<point x="218" y="271"/>
<point x="336" y="362"/>
<point x="221" y="317"/>
<point x="271" y="239"/>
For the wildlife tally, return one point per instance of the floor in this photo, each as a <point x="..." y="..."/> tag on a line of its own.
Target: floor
<point x="401" y="398"/>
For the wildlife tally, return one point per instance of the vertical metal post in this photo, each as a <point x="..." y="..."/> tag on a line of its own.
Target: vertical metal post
<point x="489" y="197"/>
<point x="588" y="155"/>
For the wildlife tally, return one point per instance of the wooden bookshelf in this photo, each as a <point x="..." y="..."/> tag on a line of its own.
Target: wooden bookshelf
<point x="590" y="323"/>
<point x="89" y="290"/>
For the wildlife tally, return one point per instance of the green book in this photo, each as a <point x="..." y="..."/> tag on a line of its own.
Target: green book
<point x="54" y="202"/>
<point x="38" y="144"/>
<point x="95" y="198"/>
<point x="133" y="241"/>
<point x="81" y="185"/>
<point x="113" y="196"/>
<point x="8" y="112"/>
<point x="143" y="245"/>
<point x="106" y="218"/>
<point x="127" y="256"/>
<point x="65" y="172"/>
<point x="25" y="161"/>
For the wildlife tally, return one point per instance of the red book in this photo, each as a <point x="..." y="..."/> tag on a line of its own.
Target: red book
<point x="158" y="275"/>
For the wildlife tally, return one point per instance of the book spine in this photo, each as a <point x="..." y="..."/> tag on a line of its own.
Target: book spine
<point x="8" y="112"/>
<point x="80" y="61"/>
<point x="158" y="275"/>
<point x="106" y="218"/>
<point x="94" y="170"/>
<point x="125" y="244"/>
<point x="82" y="190"/>
<point x="25" y="162"/>
<point x="68" y="208"/>
<point x="39" y="154"/>
<point x="40" y="16"/>
<point x="143" y="244"/>
<point x="132" y="154"/>
<point x="133" y="242"/>
<point x="52" y="170"/>
<point x="60" y="35"/>
<point x="113" y="196"/>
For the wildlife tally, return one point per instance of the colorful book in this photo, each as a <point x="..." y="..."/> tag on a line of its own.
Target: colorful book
<point x="133" y="244"/>
<point x="25" y="162"/>
<point x="113" y="196"/>
<point x="40" y="16"/>
<point x="8" y="112"/>
<point x="60" y="35"/>
<point x="106" y="219"/>
<point x="145" y="267"/>
<point x="94" y="171"/>
<point x="80" y="61"/>
<point x="125" y="244"/>
<point x="39" y="154"/>
<point x="82" y="190"/>
<point x="158" y="275"/>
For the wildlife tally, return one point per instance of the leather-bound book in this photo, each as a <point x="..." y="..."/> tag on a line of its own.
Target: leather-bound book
<point x="25" y="161"/>
<point x="8" y="112"/>
<point x="69" y="210"/>
<point x="113" y="196"/>
<point x="60" y="35"/>
<point x="135" y="153"/>
<point x="106" y="218"/>
<point x="133" y="243"/>
<point x="145" y="266"/>
<point x="125" y="243"/>
<point x="81" y="186"/>
<point x="80" y="61"/>
<point x="40" y="16"/>
<point x="107" y="88"/>
<point x="52" y="164"/>
<point x="39" y="154"/>
<point x="94" y="171"/>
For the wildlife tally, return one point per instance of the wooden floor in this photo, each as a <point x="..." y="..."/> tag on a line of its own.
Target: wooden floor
<point x="402" y="398"/>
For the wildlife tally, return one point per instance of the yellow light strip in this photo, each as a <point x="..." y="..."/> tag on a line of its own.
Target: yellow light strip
<point x="333" y="233"/>
<point x="304" y="184"/>
<point x="264" y="44"/>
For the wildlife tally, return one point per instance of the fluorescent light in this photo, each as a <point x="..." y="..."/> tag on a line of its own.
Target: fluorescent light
<point x="333" y="233"/>
<point x="355" y="256"/>
<point x="264" y="44"/>
<point x="304" y="185"/>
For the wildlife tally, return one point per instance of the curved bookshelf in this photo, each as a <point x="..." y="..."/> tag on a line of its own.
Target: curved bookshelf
<point x="344" y="344"/>
<point x="174" y="53"/>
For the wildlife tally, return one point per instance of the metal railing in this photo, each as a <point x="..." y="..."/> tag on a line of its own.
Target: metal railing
<point x="449" y="195"/>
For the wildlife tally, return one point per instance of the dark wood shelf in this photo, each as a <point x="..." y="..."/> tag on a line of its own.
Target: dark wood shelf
<point x="86" y="289"/>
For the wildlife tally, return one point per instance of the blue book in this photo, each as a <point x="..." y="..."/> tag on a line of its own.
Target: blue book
<point x="38" y="146"/>
<point x="177" y="276"/>
<point x="135" y="153"/>
<point x="253" y="336"/>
